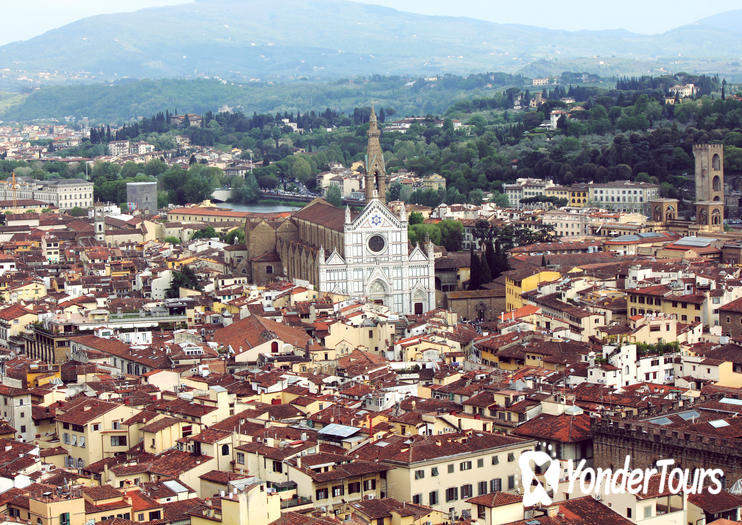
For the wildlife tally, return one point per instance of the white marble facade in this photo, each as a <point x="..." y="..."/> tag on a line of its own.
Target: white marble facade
<point x="378" y="263"/>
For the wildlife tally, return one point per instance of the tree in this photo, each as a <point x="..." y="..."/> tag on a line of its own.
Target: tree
<point x="207" y="233"/>
<point x="489" y="253"/>
<point x="185" y="278"/>
<point x="333" y="195"/>
<point x="245" y="190"/>
<point x="415" y="218"/>
<point x="236" y="236"/>
<point x="171" y="239"/>
<point x="452" y="233"/>
<point x="486" y="275"/>
<point x="474" y="270"/>
<point x="78" y="212"/>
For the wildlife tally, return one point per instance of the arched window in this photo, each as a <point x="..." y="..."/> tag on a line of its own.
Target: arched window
<point x="80" y="463"/>
<point x="716" y="182"/>
<point x="716" y="162"/>
<point x="225" y="450"/>
<point x="274" y="347"/>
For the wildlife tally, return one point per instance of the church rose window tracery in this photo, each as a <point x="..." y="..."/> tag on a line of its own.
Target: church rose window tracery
<point x="376" y="243"/>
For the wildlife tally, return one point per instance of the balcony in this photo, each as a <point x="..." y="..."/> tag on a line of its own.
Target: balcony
<point x="296" y="503"/>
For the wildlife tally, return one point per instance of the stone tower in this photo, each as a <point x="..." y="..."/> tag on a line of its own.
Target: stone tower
<point x="709" y="186"/>
<point x="99" y="219"/>
<point x="375" y="170"/>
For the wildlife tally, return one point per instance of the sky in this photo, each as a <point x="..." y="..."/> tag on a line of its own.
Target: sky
<point x="28" y="18"/>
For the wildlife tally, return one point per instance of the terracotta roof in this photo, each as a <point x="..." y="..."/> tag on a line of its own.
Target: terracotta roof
<point x="84" y="410"/>
<point x="496" y="499"/>
<point x="254" y="330"/>
<point x="321" y="212"/>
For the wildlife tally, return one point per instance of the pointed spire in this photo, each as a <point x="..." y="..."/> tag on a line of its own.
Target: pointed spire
<point x="403" y="213"/>
<point x="321" y="255"/>
<point x="347" y="214"/>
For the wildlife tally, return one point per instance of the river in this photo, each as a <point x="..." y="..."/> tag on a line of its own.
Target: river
<point x="258" y="208"/>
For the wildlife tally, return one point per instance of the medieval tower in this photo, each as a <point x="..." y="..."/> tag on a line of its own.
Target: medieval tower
<point x="375" y="183"/>
<point x="709" y="186"/>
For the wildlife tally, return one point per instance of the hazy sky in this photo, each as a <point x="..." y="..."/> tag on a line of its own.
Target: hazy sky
<point x="28" y="18"/>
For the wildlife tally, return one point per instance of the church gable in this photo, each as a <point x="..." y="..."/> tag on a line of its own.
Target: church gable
<point x="335" y="258"/>
<point x="417" y="255"/>
<point x="375" y="216"/>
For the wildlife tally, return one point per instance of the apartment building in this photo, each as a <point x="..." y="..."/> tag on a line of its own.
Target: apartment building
<point x="623" y="195"/>
<point x="524" y="188"/>
<point x="446" y="470"/>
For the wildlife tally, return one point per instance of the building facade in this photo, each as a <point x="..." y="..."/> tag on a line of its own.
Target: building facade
<point x="623" y="195"/>
<point x="142" y="196"/>
<point x="709" y="186"/>
<point x="376" y="262"/>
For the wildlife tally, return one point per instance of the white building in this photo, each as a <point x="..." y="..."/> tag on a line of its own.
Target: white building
<point x="377" y="263"/>
<point x="623" y="195"/>
<point x="524" y="188"/>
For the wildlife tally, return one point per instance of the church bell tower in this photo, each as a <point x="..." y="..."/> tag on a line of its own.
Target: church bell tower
<point x="709" y="186"/>
<point x="375" y="181"/>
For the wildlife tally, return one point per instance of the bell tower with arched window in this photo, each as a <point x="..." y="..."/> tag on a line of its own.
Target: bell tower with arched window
<point x="709" y="186"/>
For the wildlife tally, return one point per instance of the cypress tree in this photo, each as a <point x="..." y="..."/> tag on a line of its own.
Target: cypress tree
<point x="486" y="274"/>
<point x="543" y="260"/>
<point x="474" y="271"/>
<point x="489" y="253"/>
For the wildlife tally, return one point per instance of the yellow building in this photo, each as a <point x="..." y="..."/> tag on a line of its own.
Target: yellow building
<point x="559" y="192"/>
<point x="91" y="429"/>
<point x="687" y="308"/>
<point x="252" y="506"/>
<point x="444" y="471"/>
<point x="434" y="182"/>
<point x="517" y="282"/>
<point x="28" y="291"/>
<point x="578" y="195"/>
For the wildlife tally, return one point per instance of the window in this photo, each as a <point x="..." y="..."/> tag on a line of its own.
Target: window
<point x="434" y="472"/>
<point x="23" y="430"/>
<point x="369" y="484"/>
<point x="354" y="488"/>
<point x="628" y="512"/>
<point x="321" y="494"/>
<point x="240" y="458"/>
<point x="338" y="490"/>
<point x="66" y="438"/>
<point x="154" y="515"/>
<point x="452" y="494"/>
<point x="511" y="457"/>
<point x="64" y="518"/>
<point x="481" y="488"/>
<point x="480" y="462"/>
<point x="511" y="482"/>
<point x="417" y="499"/>
<point x="495" y="460"/>
<point x="277" y="466"/>
<point x="419" y="474"/>
<point x="451" y="468"/>
<point x="465" y="465"/>
<point x="648" y="511"/>
<point x="81" y="441"/>
<point x="118" y="441"/>
<point x="225" y="450"/>
<point x="466" y="491"/>
<point x="433" y="497"/>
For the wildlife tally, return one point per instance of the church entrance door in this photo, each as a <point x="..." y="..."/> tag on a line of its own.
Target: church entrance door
<point x="418" y="308"/>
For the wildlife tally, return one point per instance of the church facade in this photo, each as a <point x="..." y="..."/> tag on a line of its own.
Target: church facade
<point x="376" y="262"/>
<point x="362" y="254"/>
